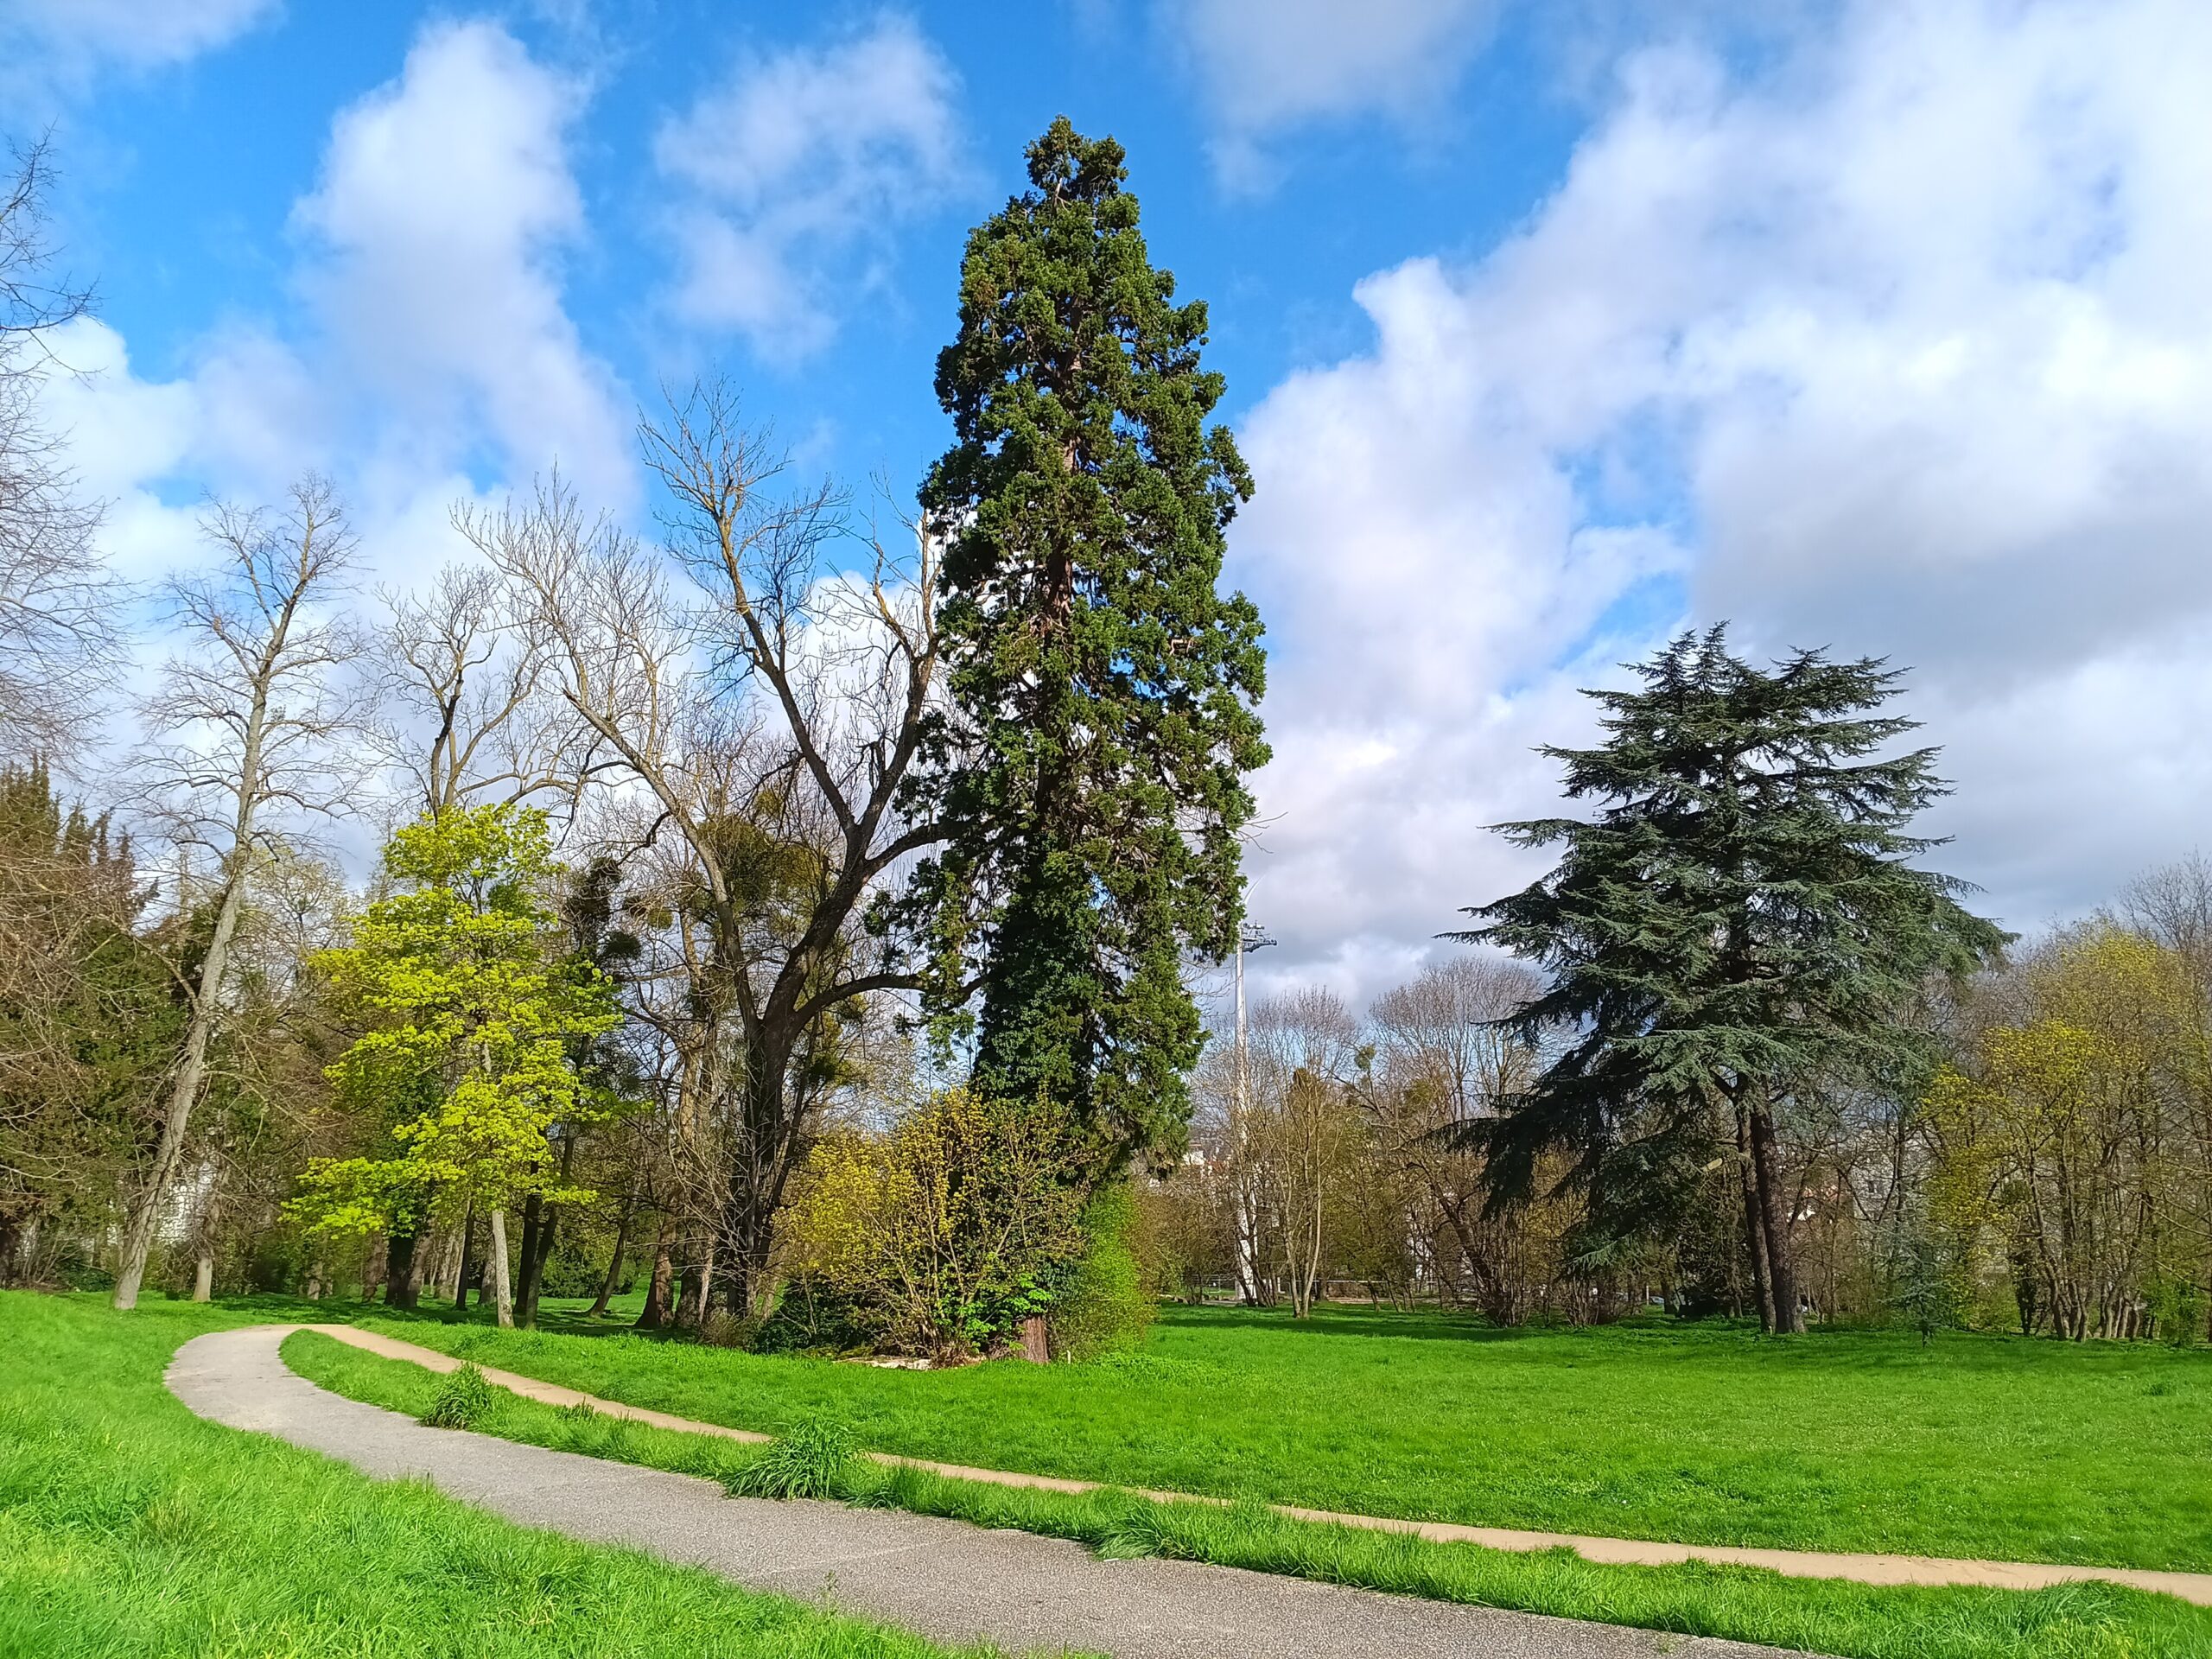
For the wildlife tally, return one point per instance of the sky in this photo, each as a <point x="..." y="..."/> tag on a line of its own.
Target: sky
<point x="1550" y="328"/>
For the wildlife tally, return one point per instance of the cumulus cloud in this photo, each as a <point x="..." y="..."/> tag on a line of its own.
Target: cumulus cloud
<point x="793" y="170"/>
<point x="445" y="202"/>
<point x="1900" y="346"/>
<point x="1268" y="66"/>
<point x="430" y="352"/>
<point x="62" y="45"/>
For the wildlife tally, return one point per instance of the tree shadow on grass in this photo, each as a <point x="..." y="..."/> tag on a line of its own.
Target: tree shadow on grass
<point x="566" y="1317"/>
<point x="1434" y="1324"/>
<point x="1427" y="1324"/>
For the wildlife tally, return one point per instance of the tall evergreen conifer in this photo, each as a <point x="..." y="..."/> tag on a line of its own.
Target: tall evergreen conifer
<point x="1090" y="778"/>
<point x="1740" y="925"/>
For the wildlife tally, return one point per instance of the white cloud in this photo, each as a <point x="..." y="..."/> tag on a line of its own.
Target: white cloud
<point x="60" y="44"/>
<point x="1905" y="342"/>
<point x="445" y="201"/>
<point x="1267" y="65"/>
<point x="433" y="347"/>
<point x="796" y="165"/>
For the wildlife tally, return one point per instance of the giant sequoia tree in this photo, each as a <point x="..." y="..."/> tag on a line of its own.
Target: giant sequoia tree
<point x="1739" y="925"/>
<point x="1090" y="780"/>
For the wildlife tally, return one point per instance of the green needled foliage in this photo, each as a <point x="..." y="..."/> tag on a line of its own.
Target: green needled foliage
<point x="1090" y="776"/>
<point x="1739" y="926"/>
<point x="90" y="1019"/>
<point x="478" y="1012"/>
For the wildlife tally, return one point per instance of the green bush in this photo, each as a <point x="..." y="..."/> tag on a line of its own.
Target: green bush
<point x="462" y="1401"/>
<point x="2178" y="1306"/>
<point x="1105" y="1307"/>
<point x="942" y="1236"/>
<point x="813" y="1317"/>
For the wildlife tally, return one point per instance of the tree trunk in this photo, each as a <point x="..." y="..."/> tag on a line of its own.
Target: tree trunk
<point x="401" y="1287"/>
<point x="471" y="1271"/>
<point x="207" y="994"/>
<point x="608" y="1286"/>
<point x="373" y="1267"/>
<point x="756" y="1182"/>
<point x="502" y="1292"/>
<point x="1247" y="1243"/>
<point x="452" y="1249"/>
<point x="1036" y="1340"/>
<point x="203" y="1265"/>
<point x="655" y="1313"/>
<point x="533" y="1222"/>
<point x="1782" y="1279"/>
<point x="697" y="1290"/>
<point x="539" y="1251"/>
<point x="1754" y="1229"/>
<point x="540" y="1218"/>
<point x="1309" y="1272"/>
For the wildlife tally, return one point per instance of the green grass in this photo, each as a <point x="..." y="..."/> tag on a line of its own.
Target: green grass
<point x="2072" y="1622"/>
<point x="1976" y="1446"/>
<point x="131" y="1529"/>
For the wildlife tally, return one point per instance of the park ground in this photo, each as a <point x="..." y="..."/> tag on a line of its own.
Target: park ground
<point x="127" y="1527"/>
<point x="1974" y="1446"/>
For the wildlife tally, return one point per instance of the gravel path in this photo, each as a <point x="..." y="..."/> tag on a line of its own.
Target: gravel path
<point x="943" y="1578"/>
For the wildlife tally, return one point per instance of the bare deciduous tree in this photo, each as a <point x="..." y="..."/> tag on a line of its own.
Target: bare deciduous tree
<point x="466" y="711"/>
<point x="1306" y="1048"/>
<point x="1444" y="1062"/>
<point x="55" y="603"/>
<point x="771" y="722"/>
<point x="253" y="709"/>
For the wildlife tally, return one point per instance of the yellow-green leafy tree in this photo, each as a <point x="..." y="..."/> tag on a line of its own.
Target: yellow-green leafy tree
<point x="2060" y="1138"/>
<point x="478" y="1010"/>
<point x="944" y="1236"/>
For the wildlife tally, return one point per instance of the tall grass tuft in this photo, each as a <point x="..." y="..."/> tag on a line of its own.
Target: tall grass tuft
<point x="817" y="1458"/>
<point x="462" y="1401"/>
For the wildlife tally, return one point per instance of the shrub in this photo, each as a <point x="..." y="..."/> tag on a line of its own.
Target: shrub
<point x="722" y="1329"/>
<point x="2178" y="1307"/>
<point x="942" y="1237"/>
<point x="813" y="1317"/>
<point x="1105" y="1308"/>
<point x="815" y="1458"/>
<point x="462" y="1401"/>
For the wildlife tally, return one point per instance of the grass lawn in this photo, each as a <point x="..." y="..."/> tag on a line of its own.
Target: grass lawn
<point x="129" y="1527"/>
<point x="1976" y="1446"/>
<point x="2072" y="1622"/>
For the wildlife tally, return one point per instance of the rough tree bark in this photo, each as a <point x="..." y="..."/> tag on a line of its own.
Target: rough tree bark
<point x="1754" y="1224"/>
<point x="654" y="1314"/>
<point x="614" y="1280"/>
<point x="402" y="1285"/>
<point x="502" y="1284"/>
<point x="1774" y="1222"/>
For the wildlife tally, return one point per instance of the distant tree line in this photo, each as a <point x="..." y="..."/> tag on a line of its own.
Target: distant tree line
<point x="1753" y="1061"/>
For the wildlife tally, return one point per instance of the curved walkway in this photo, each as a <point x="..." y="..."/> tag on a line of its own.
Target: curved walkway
<point x="946" y="1579"/>
<point x="1631" y="1552"/>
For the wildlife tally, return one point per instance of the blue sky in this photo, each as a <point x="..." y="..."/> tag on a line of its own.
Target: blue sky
<point x="1548" y="328"/>
<point x="183" y="182"/>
